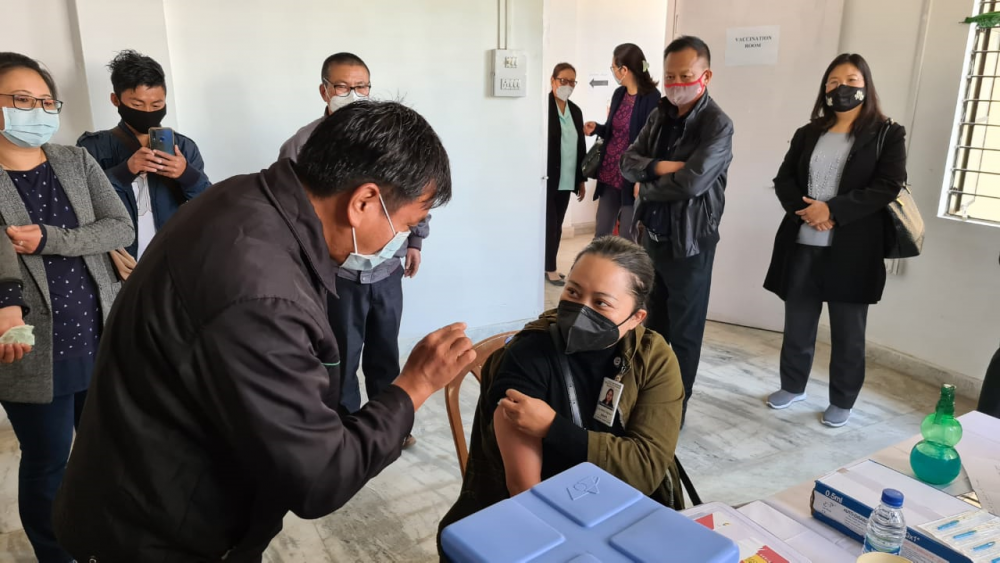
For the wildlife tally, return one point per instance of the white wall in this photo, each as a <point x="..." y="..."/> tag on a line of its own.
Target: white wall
<point x="57" y="49"/>
<point x="585" y="34"/>
<point x="945" y="307"/>
<point x="103" y="32"/>
<point x="245" y="78"/>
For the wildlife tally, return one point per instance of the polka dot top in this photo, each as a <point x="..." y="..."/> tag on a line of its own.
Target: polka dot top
<point x="75" y="310"/>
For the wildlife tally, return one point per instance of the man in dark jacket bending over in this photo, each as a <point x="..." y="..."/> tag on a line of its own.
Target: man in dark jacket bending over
<point x="681" y="158"/>
<point x="208" y="418"/>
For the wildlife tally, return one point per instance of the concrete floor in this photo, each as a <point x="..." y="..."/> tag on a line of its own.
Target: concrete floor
<point x="734" y="447"/>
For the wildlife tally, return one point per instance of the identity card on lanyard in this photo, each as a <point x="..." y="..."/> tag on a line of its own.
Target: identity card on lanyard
<point x="607" y="401"/>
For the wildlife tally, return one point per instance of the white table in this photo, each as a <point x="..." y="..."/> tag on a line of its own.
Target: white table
<point x="788" y="516"/>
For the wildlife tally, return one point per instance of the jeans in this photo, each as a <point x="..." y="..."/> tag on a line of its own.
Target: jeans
<point x="365" y="320"/>
<point x="45" y="433"/>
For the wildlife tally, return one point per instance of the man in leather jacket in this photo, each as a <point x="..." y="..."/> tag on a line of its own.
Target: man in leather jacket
<point x="681" y="161"/>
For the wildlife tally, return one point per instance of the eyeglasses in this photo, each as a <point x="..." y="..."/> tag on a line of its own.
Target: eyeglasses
<point x="27" y="103"/>
<point x="566" y="82"/>
<point x="341" y="90"/>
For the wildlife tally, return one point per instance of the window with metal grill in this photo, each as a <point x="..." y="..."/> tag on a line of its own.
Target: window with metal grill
<point x="973" y="189"/>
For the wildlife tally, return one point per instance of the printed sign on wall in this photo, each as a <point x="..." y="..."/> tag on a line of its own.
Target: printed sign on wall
<point x="748" y="46"/>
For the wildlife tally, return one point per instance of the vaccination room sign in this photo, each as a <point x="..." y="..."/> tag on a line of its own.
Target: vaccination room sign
<point x="749" y="46"/>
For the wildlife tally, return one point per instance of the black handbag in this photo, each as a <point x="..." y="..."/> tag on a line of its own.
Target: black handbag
<point x="905" y="237"/>
<point x="592" y="161"/>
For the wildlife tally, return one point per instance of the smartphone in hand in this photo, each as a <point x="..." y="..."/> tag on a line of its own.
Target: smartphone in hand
<point x="162" y="139"/>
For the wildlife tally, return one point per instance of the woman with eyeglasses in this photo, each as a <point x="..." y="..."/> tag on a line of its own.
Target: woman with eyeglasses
<point x="631" y="105"/>
<point x="566" y="152"/>
<point x="63" y="218"/>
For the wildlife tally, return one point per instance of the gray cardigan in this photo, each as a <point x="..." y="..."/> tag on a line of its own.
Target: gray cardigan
<point x="104" y="226"/>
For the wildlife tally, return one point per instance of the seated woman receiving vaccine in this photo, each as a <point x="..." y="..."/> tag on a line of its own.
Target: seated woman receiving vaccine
<point x="586" y="382"/>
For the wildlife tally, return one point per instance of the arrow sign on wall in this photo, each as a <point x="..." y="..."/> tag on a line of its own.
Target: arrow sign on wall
<point x="594" y="82"/>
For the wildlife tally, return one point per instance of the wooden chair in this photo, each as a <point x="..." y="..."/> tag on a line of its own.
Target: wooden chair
<point x="483" y="350"/>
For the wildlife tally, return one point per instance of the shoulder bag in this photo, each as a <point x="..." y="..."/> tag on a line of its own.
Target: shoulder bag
<point x="592" y="161"/>
<point x="905" y="238"/>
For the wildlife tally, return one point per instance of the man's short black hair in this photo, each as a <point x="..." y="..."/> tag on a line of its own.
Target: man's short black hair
<point x="690" y="42"/>
<point x="130" y="69"/>
<point x="384" y="143"/>
<point x="342" y="59"/>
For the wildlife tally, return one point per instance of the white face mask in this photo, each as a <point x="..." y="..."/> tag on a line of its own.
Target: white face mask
<point x="681" y="94"/>
<point x="367" y="262"/>
<point x="564" y="92"/>
<point x="336" y="102"/>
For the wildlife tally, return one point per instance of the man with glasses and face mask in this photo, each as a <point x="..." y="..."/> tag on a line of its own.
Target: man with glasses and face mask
<point x="367" y="315"/>
<point x="681" y="161"/>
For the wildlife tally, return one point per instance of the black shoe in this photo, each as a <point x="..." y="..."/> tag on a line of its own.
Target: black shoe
<point x="558" y="283"/>
<point x="409" y="441"/>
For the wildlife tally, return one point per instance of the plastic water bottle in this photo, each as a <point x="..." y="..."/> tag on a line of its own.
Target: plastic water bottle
<point x="886" y="526"/>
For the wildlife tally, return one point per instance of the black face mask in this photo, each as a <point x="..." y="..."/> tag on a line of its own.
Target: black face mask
<point x="584" y="329"/>
<point x="845" y="98"/>
<point x="140" y="120"/>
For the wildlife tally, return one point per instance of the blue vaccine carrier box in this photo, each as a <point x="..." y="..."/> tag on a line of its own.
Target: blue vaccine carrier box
<point x="583" y="515"/>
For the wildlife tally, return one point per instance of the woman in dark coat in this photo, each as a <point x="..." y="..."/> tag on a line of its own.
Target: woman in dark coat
<point x="566" y="151"/>
<point x="834" y="184"/>
<point x="631" y="105"/>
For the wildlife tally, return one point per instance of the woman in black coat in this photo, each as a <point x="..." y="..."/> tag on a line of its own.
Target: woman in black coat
<point x="631" y="105"/>
<point x="834" y="184"/>
<point x="566" y="152"/>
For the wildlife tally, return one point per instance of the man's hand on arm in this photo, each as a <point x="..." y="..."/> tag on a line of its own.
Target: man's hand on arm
<point x="435" y="362"/>
<point x="665" y="167"/>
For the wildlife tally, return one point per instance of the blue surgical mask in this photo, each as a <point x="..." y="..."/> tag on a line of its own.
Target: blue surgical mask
<point x="29" y="128"/>
<point x="367" y="262"/>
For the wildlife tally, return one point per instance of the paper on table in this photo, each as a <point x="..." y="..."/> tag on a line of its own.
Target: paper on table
<point x="24" y="334"/>
<point x="984" y="474"/>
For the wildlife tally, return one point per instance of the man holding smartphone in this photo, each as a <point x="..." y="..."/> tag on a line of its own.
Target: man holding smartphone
<point x="153" y="177"/>
<point x="366" y="316"/>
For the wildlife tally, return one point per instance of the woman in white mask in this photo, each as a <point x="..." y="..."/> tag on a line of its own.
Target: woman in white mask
<point x="62" y="216"/>
<point x="566" y="152"/>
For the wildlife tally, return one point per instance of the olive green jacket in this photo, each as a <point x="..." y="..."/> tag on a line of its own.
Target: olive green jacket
<point x="650" y="409"/>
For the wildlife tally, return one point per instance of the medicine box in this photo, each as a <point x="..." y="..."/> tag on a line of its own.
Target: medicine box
<point x="583" y="515"/>
<point x="845" y="499"/>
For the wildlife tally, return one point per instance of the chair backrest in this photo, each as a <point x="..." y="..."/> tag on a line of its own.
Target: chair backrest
<point x="483" y="350"/>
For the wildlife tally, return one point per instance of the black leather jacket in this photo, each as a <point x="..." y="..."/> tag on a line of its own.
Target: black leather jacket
<point x="694" y="197"/>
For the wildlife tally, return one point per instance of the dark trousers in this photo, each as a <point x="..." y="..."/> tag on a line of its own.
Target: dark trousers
<point x="365" y="320"/>
<point x="678" y="305"/>
<point x="555" y="212"/>
<point x="45" y="433"/>
<point x="989" y="397"/>
<point x="611" y="210"/>
<point x="803" y="306"/>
